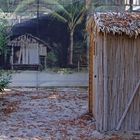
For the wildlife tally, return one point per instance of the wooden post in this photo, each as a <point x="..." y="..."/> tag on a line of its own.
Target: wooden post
<point x="131" y="5"/>
<point x="78" y="65"/>
<point x="23" y="55"/>
<point x="46" y="59"/>
<point x="105" y="85"/>
<point x="20" y="51"/>
<point x="27" y="55"/>
<point x="12" y="58"/>
<point x="91" y="71"/>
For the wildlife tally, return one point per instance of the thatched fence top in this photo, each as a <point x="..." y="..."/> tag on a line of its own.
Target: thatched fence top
<point x="116" y="23"/>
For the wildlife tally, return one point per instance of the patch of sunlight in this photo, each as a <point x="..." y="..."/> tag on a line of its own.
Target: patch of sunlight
<point x="7" y="89"/>
<point x="53" y="97"/>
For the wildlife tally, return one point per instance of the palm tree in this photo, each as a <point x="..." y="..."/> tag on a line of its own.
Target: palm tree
<point x="72" y="14"/>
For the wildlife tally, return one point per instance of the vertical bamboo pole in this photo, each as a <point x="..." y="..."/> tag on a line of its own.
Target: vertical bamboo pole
<point x="37" y="76"/>
<point x="91" y="71"/>
<point x="105" y="126"/>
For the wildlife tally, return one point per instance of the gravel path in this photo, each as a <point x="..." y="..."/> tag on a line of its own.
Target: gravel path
<point x="46" y="114"/>
<point x="49" y="114"/>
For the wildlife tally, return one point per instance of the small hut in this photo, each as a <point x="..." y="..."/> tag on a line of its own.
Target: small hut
<point x="114" y="75"/>
<point x="27" y="52"/>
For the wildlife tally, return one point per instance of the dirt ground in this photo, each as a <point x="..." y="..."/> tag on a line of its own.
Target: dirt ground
<point x="49" y="114"/>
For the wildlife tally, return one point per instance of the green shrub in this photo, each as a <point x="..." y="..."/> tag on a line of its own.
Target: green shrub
<point x="5" y="78"/>
<point x="51" y="59"/>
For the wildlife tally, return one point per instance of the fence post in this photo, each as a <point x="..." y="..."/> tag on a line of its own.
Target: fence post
<point x="131" y="5"/>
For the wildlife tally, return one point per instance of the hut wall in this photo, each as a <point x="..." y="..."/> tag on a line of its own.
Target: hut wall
<point x="122" y="75"/>
<point x="99" y="81"/>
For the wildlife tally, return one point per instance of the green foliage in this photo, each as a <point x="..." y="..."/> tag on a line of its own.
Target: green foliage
<point x="8" y="5"/>
<point x="73" y="14"/>
<point x="5" y="78"/>
<point x="51" y="59"/>
<point x="4" y="29"/>
<point x="3" y="35"/>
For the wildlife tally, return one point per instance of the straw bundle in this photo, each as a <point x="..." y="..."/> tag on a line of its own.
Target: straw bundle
<point x="117" y="23"/>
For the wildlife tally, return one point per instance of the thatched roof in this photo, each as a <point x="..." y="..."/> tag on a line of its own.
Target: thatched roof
<point x="116" y="23"/>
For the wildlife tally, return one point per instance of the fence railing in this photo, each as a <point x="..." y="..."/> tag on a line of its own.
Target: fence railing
<point x="123" y="5"/>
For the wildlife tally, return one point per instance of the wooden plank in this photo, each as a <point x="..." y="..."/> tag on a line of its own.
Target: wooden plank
<point x="101" y="81"/>
<point x="23" y="55"/>
<point x="105" y="84"/>
<point x="96" y="81"/>
<point x="91" y="71"/>
<point x="20" y="52"/>
<point x="128" y="106"/>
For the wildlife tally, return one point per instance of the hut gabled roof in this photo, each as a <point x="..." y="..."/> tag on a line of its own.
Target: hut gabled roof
<point x="25" y="37"/>
<point x="116" y="23"/>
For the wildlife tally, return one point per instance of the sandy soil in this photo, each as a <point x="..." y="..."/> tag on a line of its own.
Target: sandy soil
<point x="48" y="114"/>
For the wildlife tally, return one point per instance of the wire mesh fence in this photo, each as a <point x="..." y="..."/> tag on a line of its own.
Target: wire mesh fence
<point x="31" y="25"/>
<point x="36" y="50"/>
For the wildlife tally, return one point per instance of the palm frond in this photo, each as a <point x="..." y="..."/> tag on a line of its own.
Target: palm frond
<point x="21" y="6"/>
<point x="80" y="16"/>
<point x="1" y="11"/>
<point x="2" y="14"/>
<point x="56" y="6"/>
<point x="58" y="17"/>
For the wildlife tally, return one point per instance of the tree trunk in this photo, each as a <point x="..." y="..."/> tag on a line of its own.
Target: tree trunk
<point x="88" y="4"/>
<point x="70" y="51"/>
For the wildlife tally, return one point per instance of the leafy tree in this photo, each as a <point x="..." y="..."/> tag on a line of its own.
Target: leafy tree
<point x="6" y="8"/>
<point x="8" y="5"/>
<point x="3" y="35"/>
